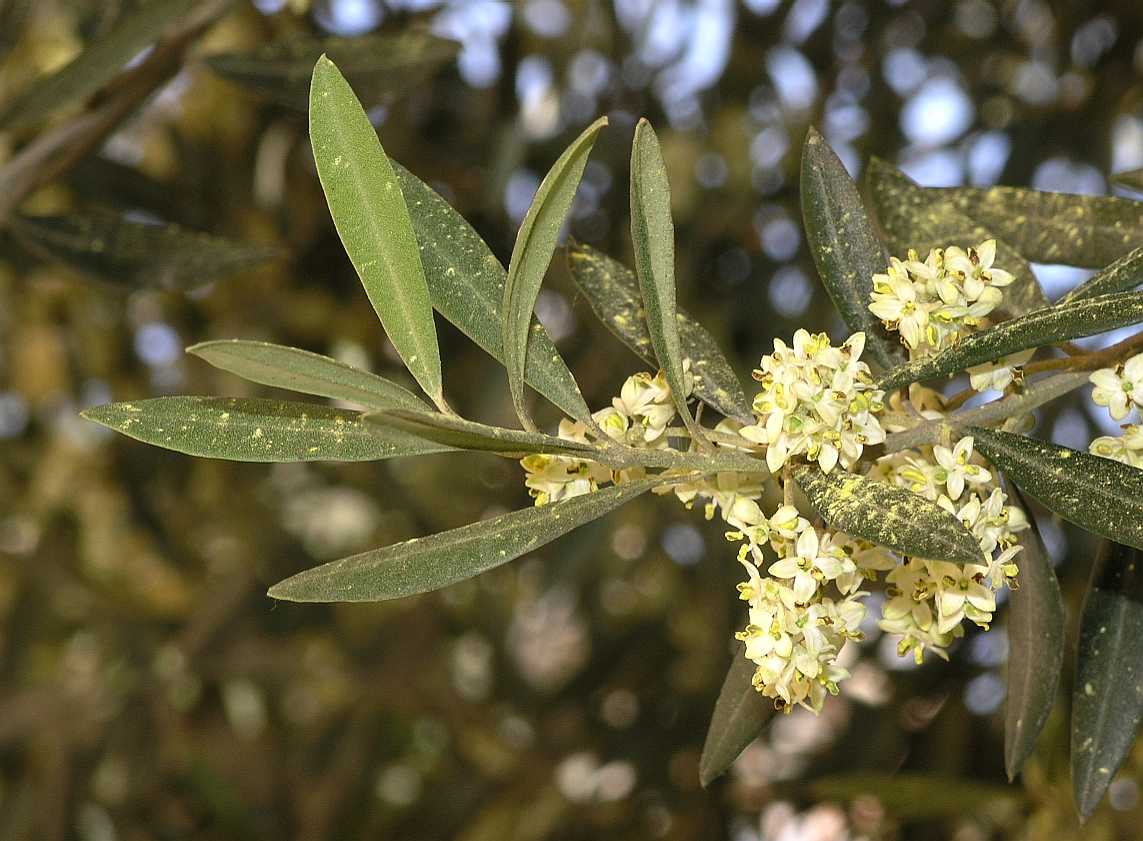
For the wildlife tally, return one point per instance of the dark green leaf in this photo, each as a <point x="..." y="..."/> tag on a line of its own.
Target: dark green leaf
<point x="1107" y="703"/>
<point x="532" y="254"/>
<point x="844" y="246"/>
<point x="1098" y="494"/>
<point x="108" y="247"/>
<point x="469" y="435"/>
<point x="13" y="16"/>
<point x="653" y="239"/>
<point x="305" y="372"/>
<point x="256" y="430"/>
<point x="912" y="219"/>
<point x="1125" y="273"/>
<point x="1036" y="645"/>
<point x="1132" y="179"/>
<point x="894" y="517"/>
<point x="1046" y="326"/>
<point x="466" y="283"/>
<point x="916" y="796"/>
<point x="97" y="65"/>
<point x="370" y="215"/>
<point x="429" y="563"/>
<point x="379" y="67"/>
<point x="740" y="715"/>
<point x="613" y="293"/>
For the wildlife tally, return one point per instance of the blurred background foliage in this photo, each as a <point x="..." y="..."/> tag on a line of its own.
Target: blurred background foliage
<point x="148" y="688"/>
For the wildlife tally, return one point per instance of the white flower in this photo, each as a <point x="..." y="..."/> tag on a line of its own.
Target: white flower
<point x="957" y="467"/>
<point x="1127" y="448"/>
<point x="997" y="376"/>
<point x="1118" y="388"/>
<point x="961" y="592"/>
<point x="895" y="302"/>
<point x="813" y="562"/>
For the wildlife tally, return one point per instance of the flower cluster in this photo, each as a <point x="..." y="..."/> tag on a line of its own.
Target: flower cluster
<point x="817" y="400"/>
<point x="1120" y="389"/>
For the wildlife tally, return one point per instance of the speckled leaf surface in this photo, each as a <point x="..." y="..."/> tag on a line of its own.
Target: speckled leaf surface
<point x="256" y="430"/>
<point x="1107" y="702"/>
<point x="466" y="284"/>
<point x="1046" y="227"/>
<point x="109" y="247"/>
<point x="470" y="435"/>
<point x="911" y="219"/>
<point x="741" y="713"/>
<point x="532" y="254"/>
<point x="372" y="220"/>
<point x="893" y="517"/>
<point x="1085" y="317"/>
<point x="305" y="372"/>
<point x="845" y="248"/>
<point x="1036" y="644"/>
<point x="612" y="290"/>
<point x="1099" y="494"/>
<point x="1125" y="273"/>
<point x="429" y="563"/>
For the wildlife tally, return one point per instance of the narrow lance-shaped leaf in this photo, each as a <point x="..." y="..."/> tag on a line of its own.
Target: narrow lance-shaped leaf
<point x="1099" y="494"/>
<point x="429" y="563"/>
<point x="1107" y="702"/>
<point x="912" y="219"/>
<point x="256" y="430"/>
<point x="1036" y="644"/>
<point x="96" y="65"/>
<point x="466" y="284"/>
<point x="845" y="248"/>
<point x="1059" y="323"/>
<point x="916" y="796"/>
<point x="532" y="254"/>
<point x="1125" y="273"/>
<point x="1049" y="227"/>
<point x="1132" y="179"/>
<point x="305" y="372"/>
<point x="613" y="293"/>
<point x="893" y="517"/>
<point x="741" y="713"/>
<point x="109" y="247"/>
<point x="653" y="239"/>
<point x="370" y="215"/>
<point x="470" y="435"/>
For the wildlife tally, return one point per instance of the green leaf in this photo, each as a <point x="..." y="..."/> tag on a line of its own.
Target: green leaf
<point x="1125" y="273"/>
<point x="912" y="219"/>
<point x="1046" y="326"/>
<point x="1099" y="494"/>
<point x="470" y="435"/>
<point x="429" y="563"/>
<point x="108" y="247"/>
<point x="370" y="215"/>
<point x="916" y="796"/>
<point x="305" y="372"/>
<point x="1132" y="179"/>
<point x="98" y="64"/>
<point x="1107" y="702"/>
<point x="1036" y="644"/>
<point x="613" y="293"/>
<point x="741" y="713"/>
<point x="653" y="238"/>
<point x="379" y="67"/>
<point x="1045" y="227"/>
<point x="893" y="517"/>
<point x="13" y="17"/>
<point x="466" y="283"/>
<point x="256" y="430"/>
<point x="845" y="248"/>
<point x="532" y="254"/>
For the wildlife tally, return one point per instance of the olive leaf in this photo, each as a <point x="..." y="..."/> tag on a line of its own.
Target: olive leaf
<point x="916" y="796"/>
<point x="845" y="248"/>
<point x="1125" y="273"/>
<point x="653" y="238"/>
<point x="429" y="563"/>
<point x="466" y="284"/>
<point x="304" y="372"/>
<point x="613" y="293"/>
<point x="890" y="516"/>
<point x="1099" y="494"/>
<point x="1085" y="317"/>
<point x="470" y="435"/>
<point x="372" y="220"/>
<point x="740" y="715"/>
<point x="256" y="430"/>
<point x="1132" y="179"/>
<point x="532" y="254"/>
<point x="379" y="66"/>
<point x="1107" y="702"/>
<point x="109" y="247"/>
<point x="911" y="219"/>
<point x="1036" y="644"/>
